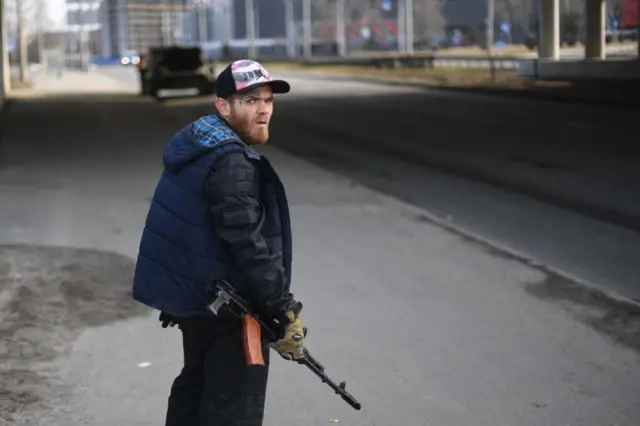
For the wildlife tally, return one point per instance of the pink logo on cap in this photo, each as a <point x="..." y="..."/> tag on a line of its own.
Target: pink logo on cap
<point x="247" y="73"/>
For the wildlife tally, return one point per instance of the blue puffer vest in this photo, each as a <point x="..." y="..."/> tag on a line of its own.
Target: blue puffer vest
<point x="180" y="255"/>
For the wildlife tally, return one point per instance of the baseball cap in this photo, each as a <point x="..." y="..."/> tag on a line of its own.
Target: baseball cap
<point x="245" y="75"/>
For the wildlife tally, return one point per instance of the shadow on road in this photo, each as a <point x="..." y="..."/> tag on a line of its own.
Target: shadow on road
<point x="578" y="159"/>
<point x="49" y="295"/>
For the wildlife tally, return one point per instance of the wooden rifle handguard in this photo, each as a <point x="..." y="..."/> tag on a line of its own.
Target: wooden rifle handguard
<point x="252" y="341"/>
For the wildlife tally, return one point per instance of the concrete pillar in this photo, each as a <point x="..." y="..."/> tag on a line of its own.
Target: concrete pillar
<point x="341" y="40"/>
<point x="250" y="23"/>
<point x="402" y="27"/>
<point x="290" y="28"/>
<point x="408" y="10"/>
<point x="307" y="22"/>
<point x="549" y="29"/>
<point x="595" y="26"/>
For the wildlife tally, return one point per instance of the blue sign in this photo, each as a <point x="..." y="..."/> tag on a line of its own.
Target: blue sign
<point x="505" y="27"/>
<point x="386" y="5"/>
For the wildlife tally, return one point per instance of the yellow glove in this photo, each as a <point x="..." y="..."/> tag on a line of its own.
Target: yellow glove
<point x="291" y="346"/>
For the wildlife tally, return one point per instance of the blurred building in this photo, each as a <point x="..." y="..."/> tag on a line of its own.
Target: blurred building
<point x="210" y="20"/>
<point x="225" y="20"/>
<point x="111" y="27"/>
<point x="151" y="23"/>
<point x="84" y="27"/>
<point x="114" y="35"/>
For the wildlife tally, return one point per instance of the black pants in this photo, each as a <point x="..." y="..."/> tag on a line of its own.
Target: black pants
<point x="215" y="387"/>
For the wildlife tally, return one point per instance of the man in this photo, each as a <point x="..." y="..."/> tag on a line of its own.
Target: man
<point x="219" y="212"/>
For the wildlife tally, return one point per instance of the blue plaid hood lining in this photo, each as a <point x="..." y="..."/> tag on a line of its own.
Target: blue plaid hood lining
<point x="200" y="138"/>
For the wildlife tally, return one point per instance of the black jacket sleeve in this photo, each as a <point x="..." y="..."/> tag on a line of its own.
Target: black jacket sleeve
<point x="239" y="216"/>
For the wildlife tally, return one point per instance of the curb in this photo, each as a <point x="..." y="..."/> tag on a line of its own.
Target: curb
<point x="531" y="261"/>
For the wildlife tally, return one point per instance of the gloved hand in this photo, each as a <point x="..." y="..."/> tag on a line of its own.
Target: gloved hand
<point x="291" y="346"/>
<point x="167" y="320"/>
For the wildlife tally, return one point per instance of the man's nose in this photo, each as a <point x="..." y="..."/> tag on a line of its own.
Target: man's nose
<point x="263" y="108"/>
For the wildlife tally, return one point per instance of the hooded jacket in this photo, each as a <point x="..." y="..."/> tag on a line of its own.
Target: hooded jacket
<point x="219" y="211"/>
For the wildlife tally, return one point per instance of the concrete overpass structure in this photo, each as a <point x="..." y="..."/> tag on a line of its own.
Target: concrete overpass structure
<point x="594" y="66"/>
<point x="550" y="29"/>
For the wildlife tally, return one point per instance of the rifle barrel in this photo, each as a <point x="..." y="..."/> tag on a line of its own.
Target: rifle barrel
<point x="340" y="389"/>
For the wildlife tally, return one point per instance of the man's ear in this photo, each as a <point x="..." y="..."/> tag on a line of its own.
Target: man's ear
<point x="223" y="107"/>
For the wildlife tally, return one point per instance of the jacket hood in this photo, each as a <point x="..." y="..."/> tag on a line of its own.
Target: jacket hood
<point x="198" y="139"/>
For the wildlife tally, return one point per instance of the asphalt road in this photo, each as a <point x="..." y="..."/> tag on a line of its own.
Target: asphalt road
<point x="555" y="182"/>
<point x="426" y="326"/>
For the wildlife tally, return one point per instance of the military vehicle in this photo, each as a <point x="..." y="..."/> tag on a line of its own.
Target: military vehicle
<point x="176" y="67"/>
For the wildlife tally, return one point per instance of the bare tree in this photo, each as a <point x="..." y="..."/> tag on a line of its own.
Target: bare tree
<point x="29" y="18"/>
<point x="21" y="9"/>
<point x="40" y="22"/>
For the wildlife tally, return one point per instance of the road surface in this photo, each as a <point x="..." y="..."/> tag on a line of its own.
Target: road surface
<point x="427" y="326"/>
<point x="555" y="182"/>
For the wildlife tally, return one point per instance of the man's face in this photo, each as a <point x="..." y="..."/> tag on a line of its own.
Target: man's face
<point x="249" y="114"/>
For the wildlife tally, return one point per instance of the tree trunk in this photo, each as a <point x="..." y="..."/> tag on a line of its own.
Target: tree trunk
<point x="22" y="42"/>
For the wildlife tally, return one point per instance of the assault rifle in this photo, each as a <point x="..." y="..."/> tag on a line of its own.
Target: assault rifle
<point x="254" y="325"/>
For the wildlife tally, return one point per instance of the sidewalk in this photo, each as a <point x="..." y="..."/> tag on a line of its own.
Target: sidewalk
<point x="423" y="325"/>
<point x="71" y="82"/>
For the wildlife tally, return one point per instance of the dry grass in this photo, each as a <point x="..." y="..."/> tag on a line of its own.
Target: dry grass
<point x="510" y="50"/>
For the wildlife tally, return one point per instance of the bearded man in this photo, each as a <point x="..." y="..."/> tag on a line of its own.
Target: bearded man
<point x="219" y="212"/>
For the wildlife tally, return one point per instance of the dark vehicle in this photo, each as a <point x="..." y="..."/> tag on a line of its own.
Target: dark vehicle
<point x="130" y="57"/>
<point x="174" y="67"/>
